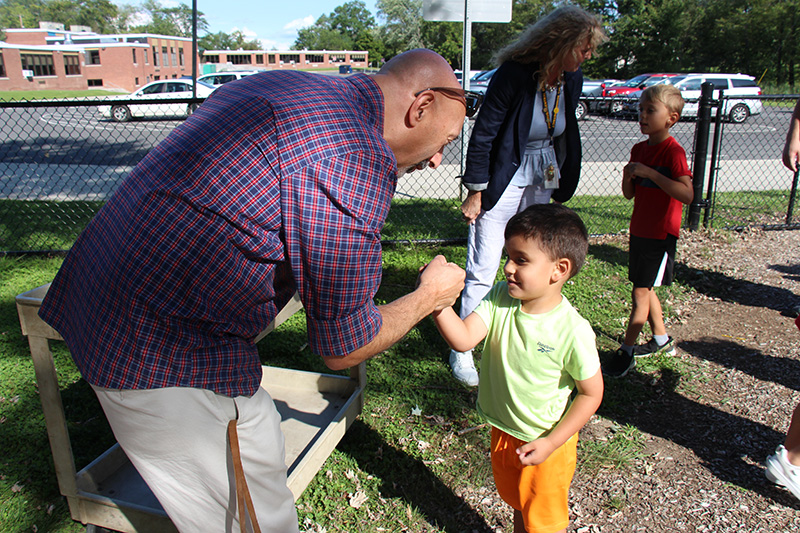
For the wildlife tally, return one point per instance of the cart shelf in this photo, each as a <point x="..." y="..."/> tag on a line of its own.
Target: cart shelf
<point x="316" y="410"/>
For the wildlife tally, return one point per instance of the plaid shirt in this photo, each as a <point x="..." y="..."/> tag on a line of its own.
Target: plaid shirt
<point x="280" y="182"/>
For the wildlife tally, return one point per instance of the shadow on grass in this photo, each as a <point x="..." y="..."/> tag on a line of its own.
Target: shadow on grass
<point x="740" y="291"/>
<point x="782" y="370"/>
<point x="411" y="480"/>
<point x="613" y="255"/>
<point x="731" y="447"/>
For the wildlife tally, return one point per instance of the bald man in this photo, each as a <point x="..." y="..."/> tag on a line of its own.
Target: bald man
<point x="281" y="182"/>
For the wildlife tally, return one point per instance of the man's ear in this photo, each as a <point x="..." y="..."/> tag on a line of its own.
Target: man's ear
<point x="422" y="105"/>
<point x="562" y="269"/>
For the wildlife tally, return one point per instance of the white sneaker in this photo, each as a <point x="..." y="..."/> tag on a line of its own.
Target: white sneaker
<point x="782" y="472"/>
<point x="464" y="367"/>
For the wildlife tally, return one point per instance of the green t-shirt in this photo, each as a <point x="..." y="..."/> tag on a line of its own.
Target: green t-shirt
<point x="530" y="363"/>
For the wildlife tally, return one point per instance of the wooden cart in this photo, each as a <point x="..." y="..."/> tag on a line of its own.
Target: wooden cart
<point x="316" y="410"/>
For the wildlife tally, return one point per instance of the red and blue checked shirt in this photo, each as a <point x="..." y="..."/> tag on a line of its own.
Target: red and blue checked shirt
<point x="280" y="182"/>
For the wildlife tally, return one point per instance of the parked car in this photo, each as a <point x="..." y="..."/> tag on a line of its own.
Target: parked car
<point x="624" y="89"/>
<point x="472" y="75"/>
<point x="218" y="78"/>
<point x="592" y="89"/>
<point x="731" y="85"/>
<point x="480" y="82"/>
<point x="163" y="90"/>
<point x="630" y="106"/>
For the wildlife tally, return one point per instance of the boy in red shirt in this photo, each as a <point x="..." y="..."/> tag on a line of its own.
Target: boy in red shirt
<point x="659" y="181"/>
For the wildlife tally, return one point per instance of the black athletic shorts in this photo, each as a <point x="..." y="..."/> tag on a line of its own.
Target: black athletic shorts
<point x="651" y="261"/>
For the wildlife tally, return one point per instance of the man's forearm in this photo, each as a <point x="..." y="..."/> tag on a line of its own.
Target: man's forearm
<point x="398" y="317"/>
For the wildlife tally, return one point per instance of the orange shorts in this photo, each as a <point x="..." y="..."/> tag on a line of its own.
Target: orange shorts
<point x="540" y="492"/>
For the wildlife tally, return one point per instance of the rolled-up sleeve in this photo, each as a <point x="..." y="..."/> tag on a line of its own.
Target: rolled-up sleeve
<point x="335" y="210"/>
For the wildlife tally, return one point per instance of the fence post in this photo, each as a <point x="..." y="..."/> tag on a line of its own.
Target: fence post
<point x="700" y="153"/>
<point x="792" y="195"/>
<point x="714" y="168"/>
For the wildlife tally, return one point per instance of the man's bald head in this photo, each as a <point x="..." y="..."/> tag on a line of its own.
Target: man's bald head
<point x="419" y="118"/>
<point x="420" y="68"/>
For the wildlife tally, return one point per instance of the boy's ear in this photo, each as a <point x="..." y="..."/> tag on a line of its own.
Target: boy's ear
<point x="674" y="117"/>
<point x="562" y="269"/>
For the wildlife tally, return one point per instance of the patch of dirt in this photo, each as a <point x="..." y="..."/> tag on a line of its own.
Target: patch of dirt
<point x="709" y="424"/>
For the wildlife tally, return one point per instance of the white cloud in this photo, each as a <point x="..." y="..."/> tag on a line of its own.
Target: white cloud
<point x="298" y="24"/>
<point x="248" y="33"/>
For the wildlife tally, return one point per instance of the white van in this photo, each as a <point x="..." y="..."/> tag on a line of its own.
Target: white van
<point x="218" y="78"/>
<point x="731" y="85"/>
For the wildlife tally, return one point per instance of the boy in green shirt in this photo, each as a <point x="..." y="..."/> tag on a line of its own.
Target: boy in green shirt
<point x="538" y="349"/>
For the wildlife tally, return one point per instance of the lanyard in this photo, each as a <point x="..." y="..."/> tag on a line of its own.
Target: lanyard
<point x="551" y="124"/>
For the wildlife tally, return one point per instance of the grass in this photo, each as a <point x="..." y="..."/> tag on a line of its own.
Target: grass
<point x="49" y="225"/>
<point x="52" y="94"/>
<point x="405" y="462"/>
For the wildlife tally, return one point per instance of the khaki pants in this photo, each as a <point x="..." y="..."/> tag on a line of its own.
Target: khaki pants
<point x="177" y="439"/>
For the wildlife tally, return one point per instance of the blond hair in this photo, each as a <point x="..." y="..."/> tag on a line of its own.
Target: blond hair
<point x="667" y="94"/>
<point x="552" y="38"/>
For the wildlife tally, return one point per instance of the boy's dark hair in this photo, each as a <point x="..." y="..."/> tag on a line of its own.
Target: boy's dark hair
<point x="559" y="231"/>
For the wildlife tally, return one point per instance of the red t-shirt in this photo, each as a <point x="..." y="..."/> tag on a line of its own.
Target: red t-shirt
<point x="655" y="213"/>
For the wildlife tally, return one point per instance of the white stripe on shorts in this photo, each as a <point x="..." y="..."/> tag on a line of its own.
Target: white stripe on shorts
<point x="661" y="269"/>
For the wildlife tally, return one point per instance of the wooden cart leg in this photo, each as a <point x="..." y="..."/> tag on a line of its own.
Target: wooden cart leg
<point x="56" y="421"/>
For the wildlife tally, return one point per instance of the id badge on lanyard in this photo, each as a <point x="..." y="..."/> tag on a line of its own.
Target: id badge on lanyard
<point x="552" y="174"/>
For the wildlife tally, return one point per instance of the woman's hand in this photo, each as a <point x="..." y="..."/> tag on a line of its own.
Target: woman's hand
<point x="471" y="206"/>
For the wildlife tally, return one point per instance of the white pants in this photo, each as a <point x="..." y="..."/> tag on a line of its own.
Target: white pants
<point x="485" y="241"/>
<point x="177" y="439"/>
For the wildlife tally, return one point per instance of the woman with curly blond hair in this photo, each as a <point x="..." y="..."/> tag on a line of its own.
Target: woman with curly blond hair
<point x="525" y="147"/>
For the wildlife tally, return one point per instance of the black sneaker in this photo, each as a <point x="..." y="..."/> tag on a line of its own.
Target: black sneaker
<point x="652" y="347"/>
<point x="619" y="364"/>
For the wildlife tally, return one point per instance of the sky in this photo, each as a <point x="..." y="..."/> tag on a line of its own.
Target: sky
<point x="274" y="23"/>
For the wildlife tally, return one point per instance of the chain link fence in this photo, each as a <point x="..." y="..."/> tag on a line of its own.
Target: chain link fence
<point x="61" y="160"/>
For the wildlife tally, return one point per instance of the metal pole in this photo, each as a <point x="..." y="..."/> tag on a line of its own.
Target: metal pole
<point x="466" y="54"/>
<point x="792" y="196"/>
<point x="712" y="173"/>
<point x="194" y="48"/>
<point x="700" y="153"/>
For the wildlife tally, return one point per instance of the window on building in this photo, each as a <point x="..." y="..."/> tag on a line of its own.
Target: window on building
<point x="136" y="81"/>
<point x="41" y="65"/>
<point x="92" y="57"/>
<point x="213" y="58"/>
<point x="2" y="66"/>
<point x="144" y="52"/>
<point x="174" y="56"/>
<point x="155" y="56"/>
<point x="336" y="59"/>
<point x="288" y="58"/>
<point x="164" y="56"/>
<point x="271" y="59"/>
<point x="180" y="56"/>
<point x="72" y="65"/>
<point x="315" y="58"/>
<point x="358" y="57"/>
<point x="94" y="83"/>
<point x="239" y="59"/>
<point x="134" y="55"/>
<point x="156" y="78"/>
<point x="259" y="59"/>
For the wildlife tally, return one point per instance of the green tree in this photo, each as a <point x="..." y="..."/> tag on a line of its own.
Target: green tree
<point x="100" y="15"/>
<point x="97" y="14"/>
<point x="170" y="20"/>
<point x="446" y="39"/>
<point x="402" y="27"/>
<point x="349" y="27"/>
<point x="322" y="36"/>
<point x="228" y="41"/>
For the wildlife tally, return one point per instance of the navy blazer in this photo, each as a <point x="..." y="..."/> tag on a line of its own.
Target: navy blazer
<point x="501" y="132"/>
